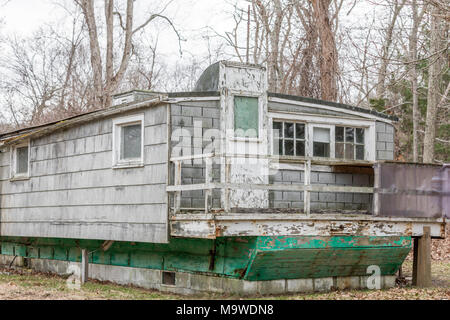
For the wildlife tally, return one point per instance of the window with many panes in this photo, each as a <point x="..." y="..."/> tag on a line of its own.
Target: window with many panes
<point x="289" y="138"/>
<point x="349" y="143"/>
<point x="128" y="133"/>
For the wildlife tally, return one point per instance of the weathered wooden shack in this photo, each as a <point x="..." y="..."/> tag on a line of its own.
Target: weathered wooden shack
<point x="229" y="188"/>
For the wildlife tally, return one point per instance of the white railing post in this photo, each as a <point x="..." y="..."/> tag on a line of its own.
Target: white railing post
<point x="177" y="199"/>
<point x="306" y="193"/>
<point x="208" y="179"/>
<point x="227" y="181"/>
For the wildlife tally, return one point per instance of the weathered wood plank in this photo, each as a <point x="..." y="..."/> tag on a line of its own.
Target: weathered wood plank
<point x="141" y="194"/>
<point x="298" y="224"/>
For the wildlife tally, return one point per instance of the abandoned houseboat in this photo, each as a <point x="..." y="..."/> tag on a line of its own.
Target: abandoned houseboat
<point x="228" y="188"/>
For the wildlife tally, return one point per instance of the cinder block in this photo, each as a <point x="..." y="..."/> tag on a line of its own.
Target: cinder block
<point x="203" y="122"/>
<point x="388" y="281"/>
<point x="385" y="137"/>
<point x="211" y="113"/>
<point x="175" y="110"/>
<point x="335" y="206"/>
<point x="360" y="198"/>
<point x="291" y="176"/>
<point x="318" y="205"/>
<point x="385" y="155"/>
<point x="297" y="205"/>
<point x="344" y="197"/>
<point x="343" y="178"/>
<point x="326" y="177"/>
<point x="344" y="283"/>
<point x="291" y="196"/>
<point x="191" y="111"/>
<point x="323" y="284"/>
<point x="281" y="204"/>
<point x="381" y="145"/>
<point x="360" y="180"/>
<point x="380" y="127"/>
<point x="272" y="286"/>
<point x="182" y="121"/>
<point x="327" y="197"/>
<point x="299" y="285"/>
<point x="389" y="146"/>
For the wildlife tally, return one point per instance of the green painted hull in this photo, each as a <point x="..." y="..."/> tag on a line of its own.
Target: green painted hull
<point x="249" y="258"/>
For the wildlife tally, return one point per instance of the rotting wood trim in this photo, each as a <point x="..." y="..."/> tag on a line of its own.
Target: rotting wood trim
<point x="275" y="187"/>
<point x="279" y="225"/>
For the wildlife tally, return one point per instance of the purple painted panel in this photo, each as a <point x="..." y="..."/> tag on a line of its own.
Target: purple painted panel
<point x="413" y="190"/>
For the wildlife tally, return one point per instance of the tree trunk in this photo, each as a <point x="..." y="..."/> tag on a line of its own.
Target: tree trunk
<point x="434" y="75"/>
<point x="413" y="78"/>
<point x="96" y="60"/>
<point x="381" y="88"/>
<point x="328" y="52"/>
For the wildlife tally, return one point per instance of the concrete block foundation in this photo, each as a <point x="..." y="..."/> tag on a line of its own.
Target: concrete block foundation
<point x="190" y="283"/>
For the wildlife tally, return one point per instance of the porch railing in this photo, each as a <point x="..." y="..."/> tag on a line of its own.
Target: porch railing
<point x="208" y="186"/>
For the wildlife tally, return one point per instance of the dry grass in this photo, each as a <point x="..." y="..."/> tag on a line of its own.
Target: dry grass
<point x="24" y="284"/>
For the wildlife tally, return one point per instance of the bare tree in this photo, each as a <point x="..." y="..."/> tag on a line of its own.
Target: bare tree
<point x="437" y="63"/>
<point x="106" y="85"/>
<point x="328" y="52"/>
<point x="381" y="85"/>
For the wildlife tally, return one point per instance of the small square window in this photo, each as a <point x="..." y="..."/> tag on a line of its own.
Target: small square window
<point x="128" y="141"/>
<point x="20" y="161"/>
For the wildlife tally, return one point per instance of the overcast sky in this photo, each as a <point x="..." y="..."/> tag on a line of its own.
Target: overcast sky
<point x="191" y="17"/>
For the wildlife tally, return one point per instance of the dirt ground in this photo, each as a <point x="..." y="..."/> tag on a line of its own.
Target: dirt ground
<point x="25" y="284"/>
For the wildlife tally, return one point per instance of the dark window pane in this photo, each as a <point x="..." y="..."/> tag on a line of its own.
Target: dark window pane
<point x="300" y="131"/>
<point x="349" y="134"/>
<point x="321" y="149"/>
<point x="288" y="130"/>
<point x="340" y="134"/>
<point x="288" y="147"/>
<point x="246" y="116"/>
<point x="359" y="135"/>
<point x="339" y="150"/>
<point x="349" y="154"/>
<point x="277" y="129"/>
<point x="278" y="147"/>
<point x="22" y="160"/>
<point x="300" y="148"/>
<point x="360" y="152"/>
<point x="131" y="142"/>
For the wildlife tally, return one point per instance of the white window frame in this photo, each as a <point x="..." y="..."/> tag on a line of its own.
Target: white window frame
<point x="311" y="139"/>
<point x="118" y="124"/>
<point x="328" y="122"/>
<point x="231" y="130"/>
<point x="14" y="174"/>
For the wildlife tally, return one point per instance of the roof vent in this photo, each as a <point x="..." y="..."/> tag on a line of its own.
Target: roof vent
<point x="133" y="96"/>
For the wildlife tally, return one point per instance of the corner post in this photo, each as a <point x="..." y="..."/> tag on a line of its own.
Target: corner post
<point x="84" y="266"/>
<point x="422" y="260"/>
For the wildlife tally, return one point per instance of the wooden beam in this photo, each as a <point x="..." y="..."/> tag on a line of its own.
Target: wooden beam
<point x="422" y="272"/>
